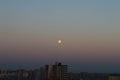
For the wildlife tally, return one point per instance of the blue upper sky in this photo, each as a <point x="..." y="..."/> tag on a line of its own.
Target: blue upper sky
<point x="61" y="12"/>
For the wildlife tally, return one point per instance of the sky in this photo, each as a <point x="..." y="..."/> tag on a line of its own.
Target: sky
<point x="89" y="30"/>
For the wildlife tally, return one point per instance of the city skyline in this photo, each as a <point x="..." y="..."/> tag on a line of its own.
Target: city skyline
<point x="89" y="31"/>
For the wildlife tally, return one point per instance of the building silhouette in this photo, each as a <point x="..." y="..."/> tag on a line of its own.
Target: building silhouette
<point x="56" y="72"/>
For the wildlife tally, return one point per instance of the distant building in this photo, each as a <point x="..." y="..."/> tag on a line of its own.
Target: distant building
<point x="36" y="74"/>
<point x="8" y="75"/>
<point x="74" y="76"/>
<point x="56" y="72"/>
<point x="42" y="73"/>
<point x="114" y="77"/>
<point x="24" y="75"/>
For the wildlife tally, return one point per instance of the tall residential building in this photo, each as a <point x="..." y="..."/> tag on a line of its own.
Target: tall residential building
<point x="56" y="72"/>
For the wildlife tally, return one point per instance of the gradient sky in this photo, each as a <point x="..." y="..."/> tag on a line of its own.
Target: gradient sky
<point x="89" y="29"/>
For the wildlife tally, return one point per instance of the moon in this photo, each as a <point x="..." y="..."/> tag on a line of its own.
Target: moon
<point x="59" y="41"/>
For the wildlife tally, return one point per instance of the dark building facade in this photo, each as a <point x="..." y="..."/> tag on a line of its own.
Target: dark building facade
<point x="56" y="72"/>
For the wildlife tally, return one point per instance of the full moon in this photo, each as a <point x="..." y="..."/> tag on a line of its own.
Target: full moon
<point x="59" y="41"/>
